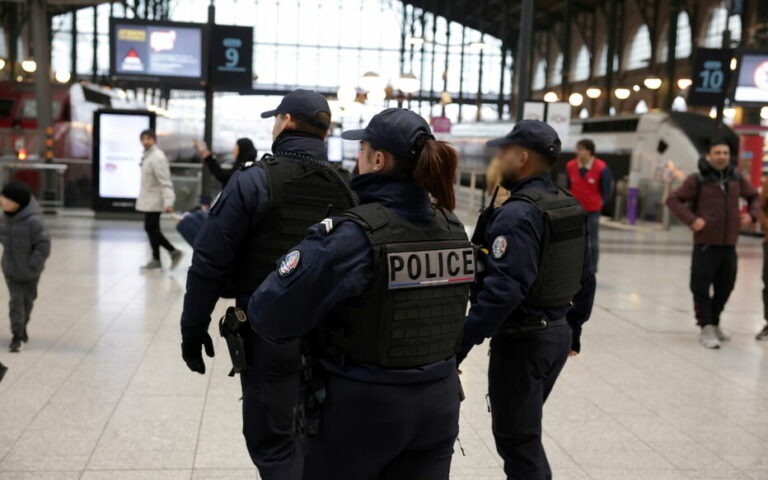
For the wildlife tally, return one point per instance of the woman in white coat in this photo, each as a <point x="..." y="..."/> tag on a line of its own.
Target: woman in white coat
<point x="155" y="197"/>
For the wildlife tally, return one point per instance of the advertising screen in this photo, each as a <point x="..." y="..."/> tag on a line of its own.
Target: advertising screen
<point x="117" y="156"/>
<point x="164" y="50"/>
<point x="752" y="79"/>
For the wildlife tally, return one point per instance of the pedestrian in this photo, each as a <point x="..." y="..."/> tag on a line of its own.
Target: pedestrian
<point x="264" y="209"/>
<point x="155" y="197"/>
<point x="383" y="288"/>
<point x="763" y="217"/>
<point x="26" y="247"/>
<point x="589" y="180"/>
<point x="244" y="151"/>
<point x="708" y="202"/>
<point x="536" y="267"/>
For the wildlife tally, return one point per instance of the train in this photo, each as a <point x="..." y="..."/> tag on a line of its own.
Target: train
<point x="643" y="151"/>
<point x="73" y="107"/>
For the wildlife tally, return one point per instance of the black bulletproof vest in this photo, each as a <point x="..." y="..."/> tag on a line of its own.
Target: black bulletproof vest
<point x="413" y="311"/>
<point x="302" y="192"/>
<point x="561" y="259"/>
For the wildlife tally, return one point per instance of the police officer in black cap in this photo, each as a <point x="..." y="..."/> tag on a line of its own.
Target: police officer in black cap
<point x="536" y="292"/>
<point x="384" y="289"/>
<point x="264" y="209"/>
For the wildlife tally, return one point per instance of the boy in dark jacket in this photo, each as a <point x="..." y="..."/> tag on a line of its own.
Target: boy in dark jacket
<point x="26" y="246"/>
<point x="708" y="202"/>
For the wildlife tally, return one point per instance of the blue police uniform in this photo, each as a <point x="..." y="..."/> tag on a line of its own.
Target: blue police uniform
<point x="270" y="386"/>
<point x="523" y="367"/>
<point x="377" y="422"/>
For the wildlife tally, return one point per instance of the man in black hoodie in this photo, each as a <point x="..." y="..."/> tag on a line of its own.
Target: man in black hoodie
<point x="26" y="246"/>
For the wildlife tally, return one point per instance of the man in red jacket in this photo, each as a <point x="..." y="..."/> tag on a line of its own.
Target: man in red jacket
<point x="590" y="182"/>
<point x="708" y="202"/>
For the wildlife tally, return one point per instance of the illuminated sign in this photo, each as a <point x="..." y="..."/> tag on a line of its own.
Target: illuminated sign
<point x="158" y="51"/>
<point x="117" y="157"/>
<point x="752" y="78"/>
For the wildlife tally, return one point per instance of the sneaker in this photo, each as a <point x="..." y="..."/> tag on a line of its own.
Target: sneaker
<point x="763" y="333"/>
<point x="3" y="369"/>
<point x="24" y="336"/>
<point x="15" y="346"/>
<point x="152" y="265"/>
<point x="176" y="256"/>
<point x="720" y="334"/>
<point x="708" y="337"/>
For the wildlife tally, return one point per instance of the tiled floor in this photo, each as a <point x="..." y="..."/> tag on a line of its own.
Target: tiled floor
<point x="100" y="392"/>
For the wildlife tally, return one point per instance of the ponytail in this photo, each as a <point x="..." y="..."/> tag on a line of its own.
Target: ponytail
<point x="436" y="172"/>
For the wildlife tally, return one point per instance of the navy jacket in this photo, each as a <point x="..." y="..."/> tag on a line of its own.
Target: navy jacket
<point x="510" y="277"/>
<point x="336" y="263"/>
<point x="238" y="213"/>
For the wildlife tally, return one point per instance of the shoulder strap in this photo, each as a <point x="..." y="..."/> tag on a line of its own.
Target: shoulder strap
<point x="370" y="216"/>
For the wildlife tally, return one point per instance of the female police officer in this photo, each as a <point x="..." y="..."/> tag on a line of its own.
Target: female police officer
<point x="384" y="288"/>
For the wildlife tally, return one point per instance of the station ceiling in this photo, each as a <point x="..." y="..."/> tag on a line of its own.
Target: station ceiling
<point x="501" y="18"/>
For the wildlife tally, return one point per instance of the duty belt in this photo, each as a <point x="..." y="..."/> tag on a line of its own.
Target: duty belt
<point x="529" y="325"/>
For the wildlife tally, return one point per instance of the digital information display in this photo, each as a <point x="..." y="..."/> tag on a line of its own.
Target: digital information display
<point x="157" y="50"/>
<point x="117" y="157"/>
<point x="752" y="82"/>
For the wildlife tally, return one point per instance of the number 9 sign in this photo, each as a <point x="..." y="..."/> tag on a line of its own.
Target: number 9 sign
<point x="232" y="51"/>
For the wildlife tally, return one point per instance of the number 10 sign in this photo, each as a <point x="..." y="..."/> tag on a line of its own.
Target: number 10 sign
<point x="711" y="77"/>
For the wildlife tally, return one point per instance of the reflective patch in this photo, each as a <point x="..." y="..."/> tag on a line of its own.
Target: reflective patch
<point x="429" y="268"/>
<point x="499" y="247"/>
<point x="215" y="200"/>
<point x="328" y="222"/>
<point x="289" y="263"/>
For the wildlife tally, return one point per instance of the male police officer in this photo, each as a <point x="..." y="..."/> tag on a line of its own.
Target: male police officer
<point x="537" y="264"/>
<point x="264" y="209"/>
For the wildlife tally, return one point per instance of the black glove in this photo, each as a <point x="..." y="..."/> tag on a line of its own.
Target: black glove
<point x="192" y="351"/>
<point x="576" y="344"/>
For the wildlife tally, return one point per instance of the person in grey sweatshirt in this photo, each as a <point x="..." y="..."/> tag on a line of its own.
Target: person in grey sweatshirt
<point x="26" y="246"/>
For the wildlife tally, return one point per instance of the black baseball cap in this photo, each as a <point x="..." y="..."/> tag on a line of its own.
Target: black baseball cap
<point x="394" y="130"/>
<point x="304" y="105"/>
<point x="532" y="134"/>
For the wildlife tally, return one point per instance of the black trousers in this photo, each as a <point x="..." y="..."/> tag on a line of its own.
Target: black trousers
<point x="713" y="276"/>
<point x="765" y="281"/>
<point x="270" y="394"/>
<point x="22" y="299"/>
<point x="372" y="431"/>
<point x="156" y="237"/>
<point x="521" y="375"/>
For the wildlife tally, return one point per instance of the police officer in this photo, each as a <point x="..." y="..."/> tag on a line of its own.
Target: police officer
<point x="536" y="265"/>
<point x="384" y="288"/>
<point x="264" y="209"/>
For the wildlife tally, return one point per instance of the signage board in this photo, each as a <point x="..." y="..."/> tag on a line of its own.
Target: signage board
<point x="711" y="77"/>
<point x="559" y="118"/>
<point x="534" y="111"/>
<point x="170" y="52"/>
<point x="232" y="57"/>
<point x="117" y="154"/>
<point x="752" y="77"/>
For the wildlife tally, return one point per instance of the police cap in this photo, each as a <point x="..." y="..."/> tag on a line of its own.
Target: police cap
<point x="395" y="130"/>
<point x="304" y="105"/>
<point x="531" y="134"/>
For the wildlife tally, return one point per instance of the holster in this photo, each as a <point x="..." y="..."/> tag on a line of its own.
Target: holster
<point x="232" y="327"/>
<point x="312" y="393"/>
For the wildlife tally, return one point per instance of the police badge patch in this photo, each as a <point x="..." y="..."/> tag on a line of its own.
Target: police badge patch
<point x="499" y="248"/>
<point x="289" y="263"/>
